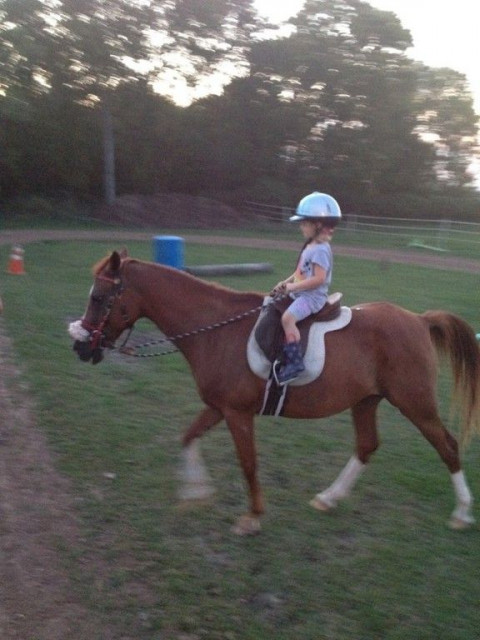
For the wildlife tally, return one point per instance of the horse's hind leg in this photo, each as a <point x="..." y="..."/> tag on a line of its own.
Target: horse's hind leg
<point x="461" y="517"/>
<point x="365" y="423"/>
<point x="196" y="481"/>
<point x="426" y="419"/>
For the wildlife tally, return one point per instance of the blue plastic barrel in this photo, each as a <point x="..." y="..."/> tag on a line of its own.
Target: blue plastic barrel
<point x="168" y="250"/>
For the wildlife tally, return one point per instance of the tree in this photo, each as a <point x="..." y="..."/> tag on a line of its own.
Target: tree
<point x="447" y="119"/>
<point x="337" y="105"/>
<point x="99" y="45"/>
<point x="345" y="70"/>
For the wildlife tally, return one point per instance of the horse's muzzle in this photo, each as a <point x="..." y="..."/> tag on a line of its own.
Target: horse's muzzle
<point x="85" y="345"/>
<point x="86" y="353"/>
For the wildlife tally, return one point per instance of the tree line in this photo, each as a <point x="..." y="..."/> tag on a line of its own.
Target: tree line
<point x="87" y="107"/>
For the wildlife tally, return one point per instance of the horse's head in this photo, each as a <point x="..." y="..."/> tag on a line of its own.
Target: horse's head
<point x="107" y="314"/>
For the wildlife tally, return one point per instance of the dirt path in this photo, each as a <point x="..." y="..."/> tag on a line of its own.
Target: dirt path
<point x="435" y="261"/>
<point x="37" y="514"/>
<point x="37" y="601"/>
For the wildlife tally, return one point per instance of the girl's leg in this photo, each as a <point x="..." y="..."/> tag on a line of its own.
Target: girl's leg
<point x="292" y="364"/>
<point x="289" y="324"/>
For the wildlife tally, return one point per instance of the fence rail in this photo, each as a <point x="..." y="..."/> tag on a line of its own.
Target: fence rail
<point x="439" y="234"/>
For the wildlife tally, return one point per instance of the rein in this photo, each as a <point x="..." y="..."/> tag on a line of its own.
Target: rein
<point x="97" y="335"/>
<point x="130" y="351"/>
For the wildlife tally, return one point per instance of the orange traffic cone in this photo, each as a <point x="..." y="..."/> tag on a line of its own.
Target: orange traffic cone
<point x="15" y="263"/>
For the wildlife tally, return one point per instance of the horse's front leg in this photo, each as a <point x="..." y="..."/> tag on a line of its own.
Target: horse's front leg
<point x="195" y="479"/>
<point x="241" y="426"/>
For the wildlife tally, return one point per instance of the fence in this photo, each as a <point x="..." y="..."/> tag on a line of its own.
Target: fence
<point x="436" y="235"/>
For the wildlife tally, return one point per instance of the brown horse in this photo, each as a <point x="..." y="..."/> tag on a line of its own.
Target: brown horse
<point x="385" y="352"/>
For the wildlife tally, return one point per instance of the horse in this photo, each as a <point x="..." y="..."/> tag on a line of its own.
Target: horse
<point x="385" y="352"/>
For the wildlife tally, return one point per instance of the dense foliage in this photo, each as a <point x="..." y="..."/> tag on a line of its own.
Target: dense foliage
<point x="87" y="109"/>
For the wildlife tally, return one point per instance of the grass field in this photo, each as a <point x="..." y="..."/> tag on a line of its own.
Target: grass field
<point x="383" y="566"/>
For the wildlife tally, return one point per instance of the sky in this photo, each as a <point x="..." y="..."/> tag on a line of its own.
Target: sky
<point x="444" y="33"/>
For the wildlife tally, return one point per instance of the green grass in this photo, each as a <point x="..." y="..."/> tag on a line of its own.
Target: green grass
<point x="464" y="244"/>
<point x="459" y="244"/>
<point x="383" y="566"/>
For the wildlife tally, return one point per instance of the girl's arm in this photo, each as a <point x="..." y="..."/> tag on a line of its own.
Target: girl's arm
<point x="318" y="278"/>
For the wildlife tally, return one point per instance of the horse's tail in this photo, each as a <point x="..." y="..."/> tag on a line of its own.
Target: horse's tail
<point x="454" y="338"/>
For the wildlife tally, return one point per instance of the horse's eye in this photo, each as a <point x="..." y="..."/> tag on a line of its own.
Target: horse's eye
<point x="97" y="299"/>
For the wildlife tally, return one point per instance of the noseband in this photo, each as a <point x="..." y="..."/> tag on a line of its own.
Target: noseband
<point x="96" y="331"/>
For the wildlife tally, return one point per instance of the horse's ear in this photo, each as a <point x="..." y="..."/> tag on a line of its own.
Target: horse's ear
<point x="123" y="253"/>
<point x="115" y="261"/>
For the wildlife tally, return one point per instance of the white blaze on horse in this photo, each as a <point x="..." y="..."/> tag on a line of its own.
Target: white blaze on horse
<point x="384" y="352"/>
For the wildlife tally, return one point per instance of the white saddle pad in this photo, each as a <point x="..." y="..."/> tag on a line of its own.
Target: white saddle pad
<point x="314" y="359"/>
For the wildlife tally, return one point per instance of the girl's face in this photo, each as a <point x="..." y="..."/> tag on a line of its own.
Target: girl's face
<point x="314" y="230"/>
<point x="308" y="228"/>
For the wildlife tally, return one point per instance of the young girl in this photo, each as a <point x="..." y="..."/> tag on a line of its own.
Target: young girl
<point x="318" y="214"/>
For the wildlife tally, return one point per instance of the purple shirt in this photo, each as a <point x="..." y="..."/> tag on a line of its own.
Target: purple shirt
<point x="320" y="254"/>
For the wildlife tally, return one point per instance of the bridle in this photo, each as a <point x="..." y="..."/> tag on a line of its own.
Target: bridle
<point x="97" y="331"/>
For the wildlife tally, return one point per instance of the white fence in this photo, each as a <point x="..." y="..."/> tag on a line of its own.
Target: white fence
<point x="440" y="235"/>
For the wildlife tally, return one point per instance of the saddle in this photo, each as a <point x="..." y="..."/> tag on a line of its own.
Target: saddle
<point x="265" y="346"/>
<point x="269" y="332"/>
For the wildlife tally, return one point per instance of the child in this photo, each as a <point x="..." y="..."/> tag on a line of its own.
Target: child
<point x="318" y="214"/>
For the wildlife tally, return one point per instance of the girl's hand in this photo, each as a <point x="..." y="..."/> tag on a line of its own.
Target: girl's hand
<point x="279" y="289"/>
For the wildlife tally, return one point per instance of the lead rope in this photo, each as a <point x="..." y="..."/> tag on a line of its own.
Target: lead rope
<point x="132" y="351"/>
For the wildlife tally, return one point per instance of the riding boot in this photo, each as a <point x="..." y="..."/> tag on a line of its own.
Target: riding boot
<point x="292" y="364"/>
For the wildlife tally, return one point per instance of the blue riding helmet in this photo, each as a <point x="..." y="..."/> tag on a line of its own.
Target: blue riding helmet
<point x="319" y="206"/>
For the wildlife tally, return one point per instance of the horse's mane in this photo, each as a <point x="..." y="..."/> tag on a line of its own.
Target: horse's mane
<point x="220" y="288"/>
<point x="100" y="265"/>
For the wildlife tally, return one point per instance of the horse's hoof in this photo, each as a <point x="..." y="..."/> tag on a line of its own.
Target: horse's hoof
<point x="459" y="525"/>
<point x="247" y="525"/>
<point x="319" y="504"/>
